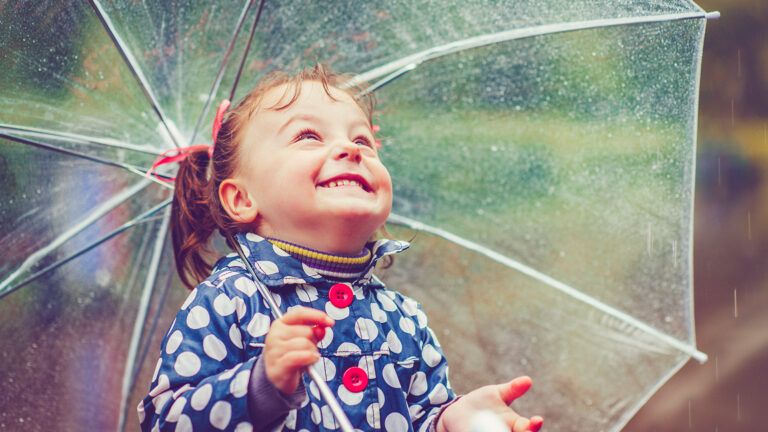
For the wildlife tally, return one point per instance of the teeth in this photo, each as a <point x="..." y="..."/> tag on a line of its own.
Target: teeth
<point x="343" y="182"/>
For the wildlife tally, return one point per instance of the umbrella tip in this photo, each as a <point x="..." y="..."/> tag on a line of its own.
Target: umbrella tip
<point x="712" y="15"/>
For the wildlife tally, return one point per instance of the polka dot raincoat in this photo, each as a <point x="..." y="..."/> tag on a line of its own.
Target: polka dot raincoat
<point x="381" y="359"/>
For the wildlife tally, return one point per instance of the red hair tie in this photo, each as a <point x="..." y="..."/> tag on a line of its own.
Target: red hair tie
<point x="179" y="154"/>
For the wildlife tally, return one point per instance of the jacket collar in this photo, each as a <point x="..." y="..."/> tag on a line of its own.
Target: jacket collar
<point x="275" y="267"/>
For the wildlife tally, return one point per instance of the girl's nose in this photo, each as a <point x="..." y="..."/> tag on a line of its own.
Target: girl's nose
<point x="347" y="150"/>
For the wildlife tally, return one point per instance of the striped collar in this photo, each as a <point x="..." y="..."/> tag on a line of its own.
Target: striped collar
<point x="325" y="264"/>
<point x="276" y="267"/>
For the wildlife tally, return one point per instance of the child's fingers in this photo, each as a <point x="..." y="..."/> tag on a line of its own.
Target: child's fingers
<point x="517" y="423"/>
<point x="299" y="359"/>
<point x="307" y="316"/>
<point x="297" y="344"/>
<point x="514" y="389"/>
<point x="536" y="423"/>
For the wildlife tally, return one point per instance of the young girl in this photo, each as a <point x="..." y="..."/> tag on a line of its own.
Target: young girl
<point x="296" y="179"/>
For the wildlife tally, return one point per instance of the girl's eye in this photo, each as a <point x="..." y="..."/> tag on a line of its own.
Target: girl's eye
<point x="307" y="134"/>
<point x="363" y="140"/>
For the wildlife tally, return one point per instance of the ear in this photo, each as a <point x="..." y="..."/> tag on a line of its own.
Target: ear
<point x="237" y="202"/>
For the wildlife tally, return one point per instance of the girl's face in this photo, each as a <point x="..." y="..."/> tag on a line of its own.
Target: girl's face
<point x="312" y="172"/>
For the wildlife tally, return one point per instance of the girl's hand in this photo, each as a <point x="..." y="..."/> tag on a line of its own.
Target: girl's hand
<point x="291" y="346"/>
<point x="494" y="398"/>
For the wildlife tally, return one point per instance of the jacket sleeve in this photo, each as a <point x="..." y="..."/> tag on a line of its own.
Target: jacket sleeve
<point x="430" y="390"/>
<point x="203" y="373"/>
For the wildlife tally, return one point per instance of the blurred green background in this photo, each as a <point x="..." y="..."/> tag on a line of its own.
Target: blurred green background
<point x="728" y="393"/>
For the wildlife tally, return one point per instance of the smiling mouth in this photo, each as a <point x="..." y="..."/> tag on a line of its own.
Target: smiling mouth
<point x="345" y="181"/>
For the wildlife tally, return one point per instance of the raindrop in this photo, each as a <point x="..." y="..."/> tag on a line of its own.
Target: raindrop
<point x="749" y="225"/>
<point x="738" y="407"/>
<point x="717" y="369"/>
<point x="735" y="305"/>
<point x="494" y="148"/>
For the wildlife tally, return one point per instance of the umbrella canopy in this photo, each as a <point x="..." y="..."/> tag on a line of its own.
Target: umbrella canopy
<point x="542" y="154"/>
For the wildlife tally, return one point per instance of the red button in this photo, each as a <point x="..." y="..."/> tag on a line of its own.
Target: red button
<point x="340" y="295"/>
<point x="355" y="379"/>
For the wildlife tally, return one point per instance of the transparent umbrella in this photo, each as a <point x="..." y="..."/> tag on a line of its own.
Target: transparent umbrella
<point x="542" y="154"/>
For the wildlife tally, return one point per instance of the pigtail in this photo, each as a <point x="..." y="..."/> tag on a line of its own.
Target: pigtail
<point x="191" y="221"/>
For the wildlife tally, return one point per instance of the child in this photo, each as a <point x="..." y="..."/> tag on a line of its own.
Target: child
<point x="296" y="178"/>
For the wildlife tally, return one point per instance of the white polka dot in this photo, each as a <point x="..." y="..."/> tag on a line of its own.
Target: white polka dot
<point x="390" y="376"/>
<point x="308" y="270"/>
<point x="221" y="413"/>
<point x="239" y="307"/>
<point x="313" y="390"/>
<point x="434" y="337"/>
<point x="329" y="421"/>
<point x="223" y="305"/>
<point x="187" y="364"/>
<point x="327" y="338"/>
<point x="246" y="286"/>
<point x="326" y="368"/>
<point x="163" y="384"/>
<point x="173" y="342"/>
<point x="418" y="384"/>
<point x="431" y="356"/>
<point x="364" y="364"/>
<point x="410" y="306"/>
<point x="176" y="409"/>
<point x="239" y="386"/>
<point x="214" y="348"/>
<point x="198" y="318"/>
<point x="157" y="368"/>
<point x="181" y="390"/>
<point x="253" y="237"/>
<point x="259" y="325"/>
<point x="279" y="251"/>
<point x="421" y="318"/>
<point x="373" y="415"/>
<point x="349" y="348"/>
<point x="201" y="396"/>
<point x="291" y="280"/>
<point x="237" y="263"/>
<point x="229" y="373"/>
<point x="235" y="336"/>
<point x="396" y="422"/>
<point x="348" y="397"/>
<point x="366" y="329"/>
<point x="184" y="424"/>
<point x="336" y="313"/>
<point x="306" y="293"/>
<point x="415" y="411"/>
<point x="267" y="267"/>
<point x="190" y="298"/>
<point x="290" y="420"/>
<point x="160" y="400"/>
<point x="386" y="303"/>
<point x="276" y="297"/>
<point x="407" y="326"/>
<point x="315" y="414"/>
<point x="381" y="396"/>
<point x="244" y="427"/>
<point x="378" y="314"/>
<point x="394" y="342"/>
<point x="438" y="395"/>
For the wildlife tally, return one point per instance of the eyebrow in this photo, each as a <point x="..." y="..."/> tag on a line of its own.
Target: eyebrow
<point x="312" y="118"/>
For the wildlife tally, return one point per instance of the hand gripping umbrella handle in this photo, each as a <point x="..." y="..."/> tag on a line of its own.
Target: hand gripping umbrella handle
<point x="325" y="391"/>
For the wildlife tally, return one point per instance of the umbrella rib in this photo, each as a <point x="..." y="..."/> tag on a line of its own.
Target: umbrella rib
<point x="541" y="277"/>
<point x="388" y="72"/>
<point x="87" y="221"/>
<point x="144" y="303"/>
<point x="133" y="66"/>
<point x="220" y="73"/>
<point x="142" y="218"/>
<point x="135" y="170"/>
<point x="245" y="52"/>
<point x="75" y="138"/>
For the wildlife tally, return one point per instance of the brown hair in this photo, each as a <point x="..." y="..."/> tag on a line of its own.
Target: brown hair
<point x="196" y="211"/>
